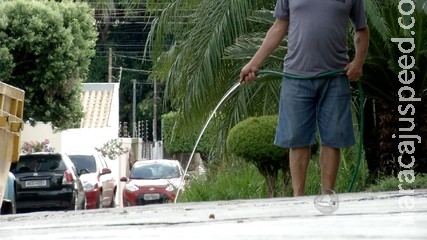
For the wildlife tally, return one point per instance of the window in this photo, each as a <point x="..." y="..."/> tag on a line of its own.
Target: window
<point x="38" y="163"/>
<point x="84" y="162"/>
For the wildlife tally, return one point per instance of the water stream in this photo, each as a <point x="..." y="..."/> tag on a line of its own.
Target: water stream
<point x="281" y="74"/>
<point x="203" y="130"/>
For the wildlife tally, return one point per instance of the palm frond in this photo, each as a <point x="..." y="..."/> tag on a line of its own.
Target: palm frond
<point x="194" y="69"/>
<point x="382" y="67"/>
<point x="171" y="19"/>
<point x="373" y="12"/>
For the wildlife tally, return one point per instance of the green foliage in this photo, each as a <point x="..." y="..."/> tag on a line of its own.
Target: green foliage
<point x="392" y="184"/>
<point x="344" y="178"/>
<point x="382" y="70"/>
<point x="183" y="142"/>
<point x="190" y="65"/>
<point x="6" y="62"/>
<point x="236" y="178"/>
<point x="51" y="45"/>
<point x="205" y="57"/>
<point x="226" y="179"/>
<point x="253" y="139"/>
<point x="230" y="179"/>
<point x="112" y="149"/>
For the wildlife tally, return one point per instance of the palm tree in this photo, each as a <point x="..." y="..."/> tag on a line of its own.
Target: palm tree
<point x="381" y="84"/>
<point x="214" y="39"/>
<point x="211" y="42"/>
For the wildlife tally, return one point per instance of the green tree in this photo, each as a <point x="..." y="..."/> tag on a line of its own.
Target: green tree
<point x="219" y="37"/>
<point x="123" y="27"/>
<point x="381" y="85"/>
<point x="211" y="42"/>
<point x="253" y="140"/>
<point x="198" y="141"/>
<point x="181" y="143"/>
<point x="46" y="48"/>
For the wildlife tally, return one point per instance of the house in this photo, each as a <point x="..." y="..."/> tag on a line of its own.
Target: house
<point x="99" y="124"/>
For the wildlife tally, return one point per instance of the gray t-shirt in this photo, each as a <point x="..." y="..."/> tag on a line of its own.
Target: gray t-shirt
<point x="317" y="35"/>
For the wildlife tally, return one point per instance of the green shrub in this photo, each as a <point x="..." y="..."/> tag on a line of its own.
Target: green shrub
<point x="253" y="140"/>
<point x="177" y="142"/>
<point x="226" y="179"/>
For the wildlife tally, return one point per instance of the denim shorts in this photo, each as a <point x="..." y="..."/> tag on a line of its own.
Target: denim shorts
<point x="322" y="104"/>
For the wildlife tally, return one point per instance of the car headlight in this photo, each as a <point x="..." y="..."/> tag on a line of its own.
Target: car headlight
<point x="88" y="186"/>
<point x="170" y="188"/>
<point x="131" y="187"/>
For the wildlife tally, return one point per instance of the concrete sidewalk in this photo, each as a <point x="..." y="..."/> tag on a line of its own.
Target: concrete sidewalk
<point x="359" y="216"/>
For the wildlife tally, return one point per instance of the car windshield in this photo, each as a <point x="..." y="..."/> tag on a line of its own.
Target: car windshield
<point x="84" y="162"/>
<point x="38" y="163"/>
<point x="155" y="171"/>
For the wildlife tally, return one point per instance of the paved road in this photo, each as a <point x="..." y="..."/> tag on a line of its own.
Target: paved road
<point x="359" y="216"/>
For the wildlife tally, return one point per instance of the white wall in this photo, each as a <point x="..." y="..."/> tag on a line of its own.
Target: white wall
<point x="86" y="139"/>
<point x="39" y="133"/>
<point x="71" y="140"/>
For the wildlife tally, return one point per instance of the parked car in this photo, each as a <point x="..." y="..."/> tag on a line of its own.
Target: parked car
<point x="9" y="198"/>
<point x="98" y="181"/>
<point x="47" y="180"/>
<point x="153" y="181"/>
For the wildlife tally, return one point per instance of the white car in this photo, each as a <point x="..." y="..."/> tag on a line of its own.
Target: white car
<point x="99" y="182"/>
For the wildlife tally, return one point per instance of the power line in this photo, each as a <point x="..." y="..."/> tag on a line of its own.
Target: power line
<point x="132" y="70"/>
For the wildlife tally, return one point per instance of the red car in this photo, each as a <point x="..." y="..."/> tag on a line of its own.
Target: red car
<point x="98" y="180"/>
<point x="153" y="181"/>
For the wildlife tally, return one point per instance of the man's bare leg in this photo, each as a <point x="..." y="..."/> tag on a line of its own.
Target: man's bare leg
<point x="298" y="163"/>
<point x="330" y="162"/>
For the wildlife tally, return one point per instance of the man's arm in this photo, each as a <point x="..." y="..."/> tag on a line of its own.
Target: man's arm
<point x="361" y="45"/>
<point x="272" y="40"/>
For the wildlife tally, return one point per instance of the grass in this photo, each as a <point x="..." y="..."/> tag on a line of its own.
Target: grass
<point x="228" y="179"/>
<point x="347" y="173"/>
<point x="392" y="184"/>
<point x="236" y="179"/>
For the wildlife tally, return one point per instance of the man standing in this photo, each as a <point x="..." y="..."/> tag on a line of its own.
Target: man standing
<point x="317" y="44"/>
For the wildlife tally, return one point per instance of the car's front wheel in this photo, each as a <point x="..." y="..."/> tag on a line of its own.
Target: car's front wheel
<point x="83" y="204"/>
<point x="8" y="208"/>
<point x="99" y="200"/>
<point x="74" y="202"/>
<point x="113" y="199"/>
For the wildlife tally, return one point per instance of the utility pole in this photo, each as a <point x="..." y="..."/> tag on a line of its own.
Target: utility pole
<point x="134" y="109"/>
<point x="155" y="111"/>
<point x="110" y="64"/>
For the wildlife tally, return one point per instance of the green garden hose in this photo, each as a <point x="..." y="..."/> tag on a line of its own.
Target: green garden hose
<point x="361" y="109"/>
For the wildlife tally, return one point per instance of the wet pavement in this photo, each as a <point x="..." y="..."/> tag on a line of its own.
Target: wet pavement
<point x="382" y="215"/>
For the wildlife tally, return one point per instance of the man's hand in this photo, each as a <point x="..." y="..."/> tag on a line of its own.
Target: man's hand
<point x="248" y="73"/>
<point x="361" y="44"/>
<point x="272" y="40"/>
<point x="354" y="71"/>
